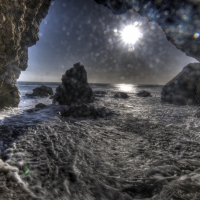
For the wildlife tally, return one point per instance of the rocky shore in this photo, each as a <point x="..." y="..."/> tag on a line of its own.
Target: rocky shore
<point x="116" y="157"/>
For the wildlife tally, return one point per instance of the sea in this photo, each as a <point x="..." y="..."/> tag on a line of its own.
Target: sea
<point x="145" y="108"/>
<point x="139" y="152"/>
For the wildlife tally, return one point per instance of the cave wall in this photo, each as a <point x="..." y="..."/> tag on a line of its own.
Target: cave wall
<point x="19" y="26"/>
<point x="180" y="20"/>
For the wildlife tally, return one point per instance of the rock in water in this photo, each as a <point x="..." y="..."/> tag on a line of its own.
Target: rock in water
<point x="74" y="87"/>
<point x="122" y="95"/>
<point x="85" y="110"/>
<point x="40" y="106"/>
<point x="183" y="89"/>
<point x="42" y="91"/>
<point x="144" y="93"/>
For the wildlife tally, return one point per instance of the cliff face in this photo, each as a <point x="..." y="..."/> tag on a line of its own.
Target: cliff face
<point x="19" y="26"/>
<point x="180" y="20"/>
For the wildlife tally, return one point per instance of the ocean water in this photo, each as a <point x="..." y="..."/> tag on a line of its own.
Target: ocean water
<point x="145" y="108"/>
<point x="146" y="150"/>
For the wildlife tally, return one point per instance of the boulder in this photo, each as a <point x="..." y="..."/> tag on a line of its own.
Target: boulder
<point x="144" y="93"/>
<point x="74" y="87"/>
<point x="85" y="110"/>
<point x="40" y="106"/>
<point x="183" y="89"/>
<point x="100" y="93"/>
<point x="42" y="91"/>
<point x="122" y="95"/>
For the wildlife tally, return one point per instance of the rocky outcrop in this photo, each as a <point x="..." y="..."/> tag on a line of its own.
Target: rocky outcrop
<point x="144" y="93"/>
<point x="19" y="26"/>
<point x="183" y="89"/>
<point x="85" y="110"/>
<point x="180" y="20"/>
<point x="99" y="93"/>
<point x="74" y="88"/>
<point x="42" y="91"/>
<point x="122" y="95"/>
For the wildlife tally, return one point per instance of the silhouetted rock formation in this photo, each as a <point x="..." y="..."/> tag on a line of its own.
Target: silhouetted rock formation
<point x="42" y="91"/>
<point x="85" y="110"/>
<point x="144" y="93"/>
<point x="183" y="88"/>
<point x="180" y="20"/>
<point x="74" y="87"/>
<point x="122" y="95"/>
<point x="19" y="26"/>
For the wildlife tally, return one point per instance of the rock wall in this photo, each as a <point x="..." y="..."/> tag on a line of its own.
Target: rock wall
<point x="19" y="26"/>
<point x="180" y="20"/>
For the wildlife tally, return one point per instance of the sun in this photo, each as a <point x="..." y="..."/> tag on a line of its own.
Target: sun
<point x="131" y="34"/>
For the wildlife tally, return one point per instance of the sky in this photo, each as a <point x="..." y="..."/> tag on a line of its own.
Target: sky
<point x="83" y="31"/>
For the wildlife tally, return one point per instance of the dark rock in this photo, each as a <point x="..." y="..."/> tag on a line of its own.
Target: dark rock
<point x="40" y="105"/>
<point x="122" y="95"/>
<point x="74" y="87"/>
<point x="85" y="110"/>
<point x="144" y="93"/>
<point x="100" y="93"/>
<point x="32" y="110"/>
<point x="169" y="16"/>
<point x="42" y="91"/>
<point x="183" y="89"/>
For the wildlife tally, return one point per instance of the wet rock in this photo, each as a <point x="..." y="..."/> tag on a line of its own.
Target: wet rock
<point x="122" y="95"/>
<point x="183" y="89"/>
<point x="40" y="105"/>
<point x="169" y="16"/>
<point x="32" y="110"/>
<point x="144" y="93"/>
<point x="42" y="91"/>
<point x="19" y="24"/>
<point x="74" y="87"/>
<point x="100" y="93"/>
<point x="85" y="110"/>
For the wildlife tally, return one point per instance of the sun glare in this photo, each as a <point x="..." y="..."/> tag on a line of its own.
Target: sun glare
<point x="131" y="34"/>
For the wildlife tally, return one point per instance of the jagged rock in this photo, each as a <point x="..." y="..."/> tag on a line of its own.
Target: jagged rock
<point x="122" y="95"/>
<point x="74" y="87"/>
<point x="180" y="20"/>
<point x="85" y="110"/>
<point x="19" y="26"/>
<point x="183" y="88"/>
<point x="144" y="93"/>
<point x="42" y="91"/>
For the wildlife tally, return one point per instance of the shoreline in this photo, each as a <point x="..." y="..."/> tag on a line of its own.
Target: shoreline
<point x="122" y="154"/>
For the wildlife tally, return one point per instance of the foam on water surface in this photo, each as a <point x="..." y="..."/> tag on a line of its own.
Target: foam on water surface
<point x="126" y="156"/>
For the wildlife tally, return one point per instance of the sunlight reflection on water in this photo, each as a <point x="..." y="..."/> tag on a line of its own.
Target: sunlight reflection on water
<point x="126" y="88"/>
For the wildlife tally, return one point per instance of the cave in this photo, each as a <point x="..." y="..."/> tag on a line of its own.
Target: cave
<point x="123" y="142"/>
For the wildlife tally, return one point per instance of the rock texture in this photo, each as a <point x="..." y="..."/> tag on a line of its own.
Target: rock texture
<point x="180" y="20"/>
<point x="19" y="26"/>
<point x="42" y="91"/>
<point x="183" y="89"/>
<point x="144" y="93"/>
<point x="122" y="95"/>
<point x="74" y="87"/>
<point x="85" y="110"/>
